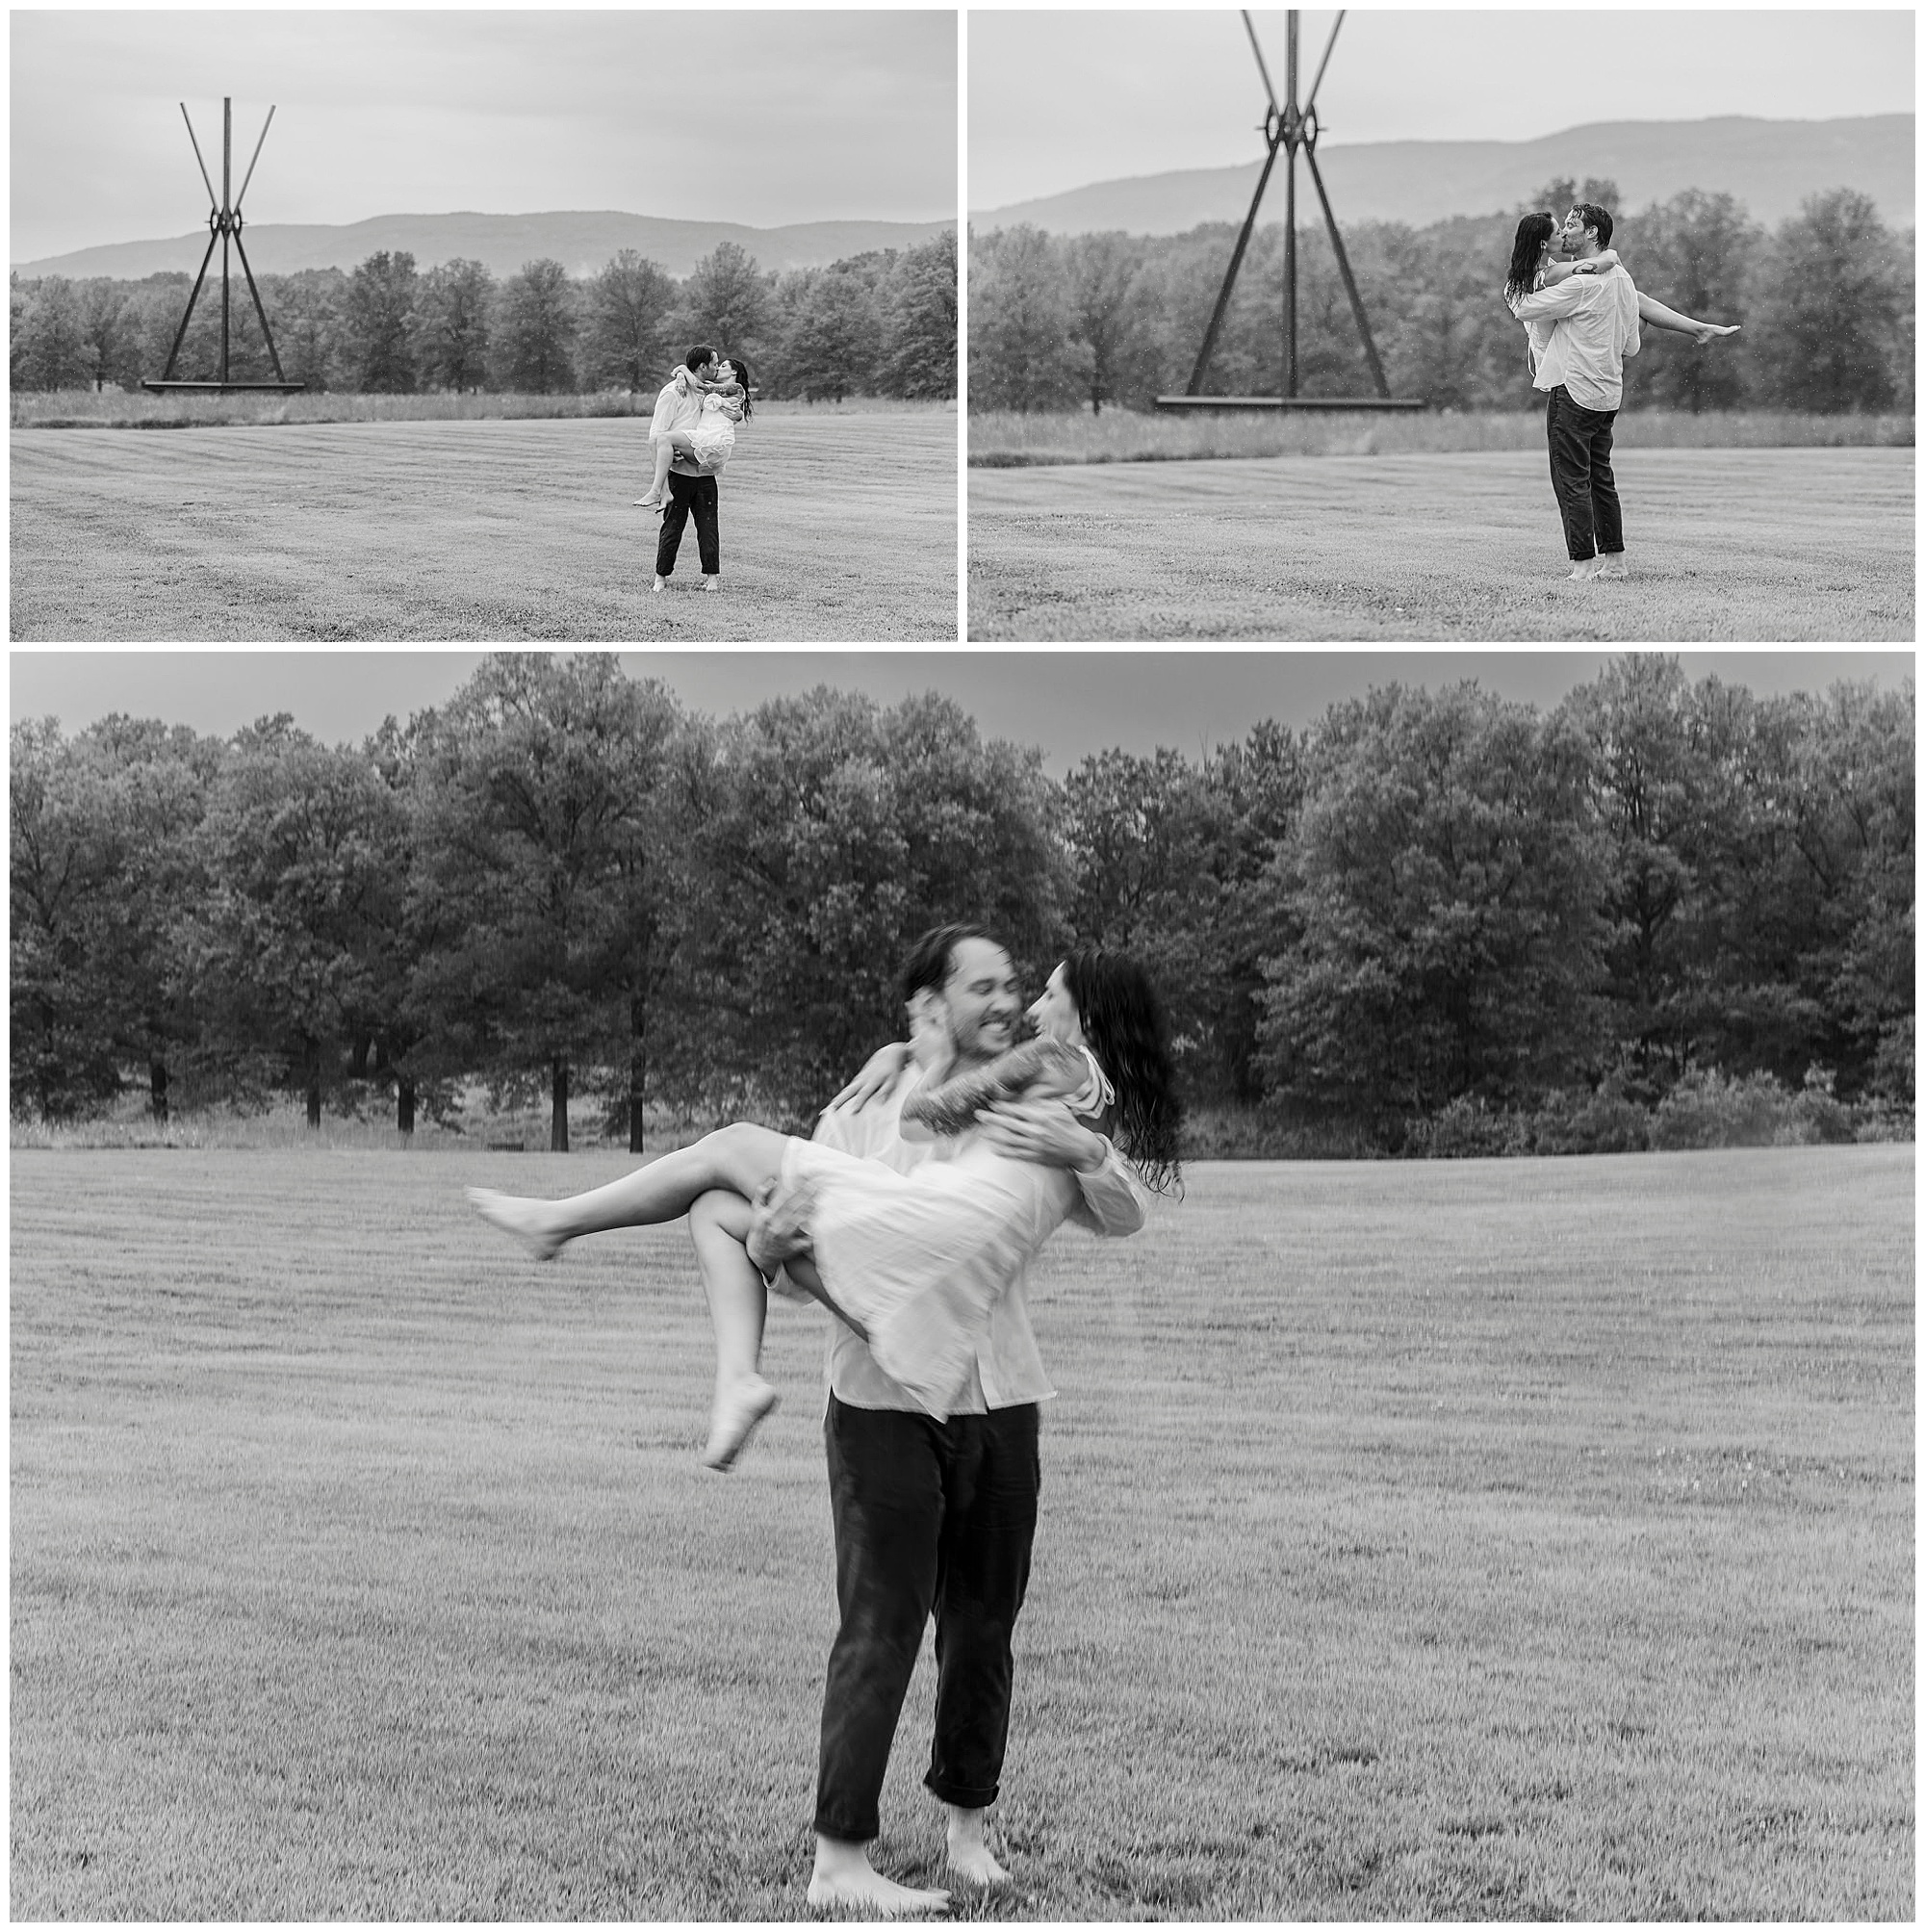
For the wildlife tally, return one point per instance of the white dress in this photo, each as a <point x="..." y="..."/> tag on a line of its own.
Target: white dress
<point x="714" y="436"/>
<point x="917" y="1262"/>
<point x="1537" y="331"/>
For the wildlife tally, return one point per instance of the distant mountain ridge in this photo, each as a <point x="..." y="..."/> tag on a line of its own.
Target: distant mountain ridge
<point x="582" y="242"/>
<point x="1770" y="165"/>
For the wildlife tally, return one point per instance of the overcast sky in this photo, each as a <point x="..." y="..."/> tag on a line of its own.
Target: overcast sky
<point x="1057" y="100"/>
<point x="763" y="118"/>
<point x="1068" y="702"/>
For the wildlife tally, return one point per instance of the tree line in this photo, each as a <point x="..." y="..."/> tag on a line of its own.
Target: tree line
<point x="1427" y="915"/>
<point x="1825" y="299"/>
<point x="882" y="323"/>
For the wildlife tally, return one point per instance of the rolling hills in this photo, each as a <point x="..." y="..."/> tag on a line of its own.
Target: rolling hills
<point x="1770" y="165"/>
<point x="581" y="242"/>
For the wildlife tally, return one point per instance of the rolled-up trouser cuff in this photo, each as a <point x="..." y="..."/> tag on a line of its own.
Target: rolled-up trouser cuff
<point x="970" y="1797"/>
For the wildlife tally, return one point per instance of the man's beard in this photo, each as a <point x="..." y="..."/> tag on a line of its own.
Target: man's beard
<point x="971" y="1048"/>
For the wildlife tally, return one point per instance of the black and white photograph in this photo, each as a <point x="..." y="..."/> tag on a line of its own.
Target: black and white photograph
<point x="1442" y="325"/>
<point x="1014" y="1286"/>
<point x="484" y="326"/>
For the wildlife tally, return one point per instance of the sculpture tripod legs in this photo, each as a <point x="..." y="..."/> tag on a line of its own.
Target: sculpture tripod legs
<point x="1287" y="129"/>
<point x="224" y="224"/>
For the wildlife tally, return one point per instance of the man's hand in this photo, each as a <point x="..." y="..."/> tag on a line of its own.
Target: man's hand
<point x="779" y="1229"/>
<point x="1043" y="1130"/>
<point x="879" y="1072"/>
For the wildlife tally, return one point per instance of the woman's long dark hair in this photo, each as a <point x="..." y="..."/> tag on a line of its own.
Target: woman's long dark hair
<point x="1526" y="252"/>
<point x="741" y="369"/>
<point x="1123" y="1021"/>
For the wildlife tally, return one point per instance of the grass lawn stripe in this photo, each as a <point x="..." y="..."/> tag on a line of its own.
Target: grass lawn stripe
<point x="1486" y="1539"/>
<point x="834" y="527"/>
<point x="1725" y="546"/>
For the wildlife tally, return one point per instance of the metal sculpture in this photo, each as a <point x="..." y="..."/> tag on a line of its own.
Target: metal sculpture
<point x="1289" y="129"/>
<point x="223" y="225"/>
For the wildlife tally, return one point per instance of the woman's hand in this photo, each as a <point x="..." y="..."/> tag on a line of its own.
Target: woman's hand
<point x="1711" y="331"/>
<point x="879" y="1072"/>
<point x="929" y="1043"/>
<point x="1041" y="1131"/>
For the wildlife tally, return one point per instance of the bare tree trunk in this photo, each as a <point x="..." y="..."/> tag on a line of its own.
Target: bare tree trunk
<point x="638" y="1062"/>
<point x="557" y="1133"/>
<point x="405" y="1104"/>
<point x="313" y="1085"/>
<point x="157" y="1089"/>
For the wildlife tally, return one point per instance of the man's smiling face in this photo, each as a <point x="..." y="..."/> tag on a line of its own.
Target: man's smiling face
<point x="981" y="999"/>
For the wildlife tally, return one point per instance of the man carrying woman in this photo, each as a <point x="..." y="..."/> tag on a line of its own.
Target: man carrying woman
<point x="1582" y="314"/>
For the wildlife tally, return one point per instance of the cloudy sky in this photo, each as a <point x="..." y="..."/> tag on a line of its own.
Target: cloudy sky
<point x="1057" y="100"/>
<point x="1068" y="702"/>
<point x="759" y="117"/>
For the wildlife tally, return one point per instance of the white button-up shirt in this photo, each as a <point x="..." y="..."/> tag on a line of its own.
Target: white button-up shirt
<point x="1596" y="326"/>
<point x="675" y="410"/>
<point x="1009" y="1367"/>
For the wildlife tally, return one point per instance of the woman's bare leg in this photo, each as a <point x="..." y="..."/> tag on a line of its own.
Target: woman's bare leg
<point x="678" y="443"/>
<point x="659" y="483"/>
<point x="740" y="1158"/>
<point x="718" y="1224"/>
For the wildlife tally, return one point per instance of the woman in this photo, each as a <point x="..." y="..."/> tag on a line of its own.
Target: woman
<point x="724" y="402"/>
<point x="914" y="1262"/>
<point x="1533" y="265"/>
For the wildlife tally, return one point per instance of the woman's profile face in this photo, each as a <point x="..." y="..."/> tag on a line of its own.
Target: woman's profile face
<point x="724" y="371"/>
<point x="1055" y="1016"/>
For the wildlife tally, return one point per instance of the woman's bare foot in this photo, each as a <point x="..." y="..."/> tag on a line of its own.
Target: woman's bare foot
<point x="738" y="1408"/>
<point x="969" y="1855"/>
<point x="844" y="1876"/>
<point x="650" y="502"/>
<point x="527" y="1221"/>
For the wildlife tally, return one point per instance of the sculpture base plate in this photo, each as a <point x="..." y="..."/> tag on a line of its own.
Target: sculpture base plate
<point x="161" y="387"/>
<point x="1291" y="402"/>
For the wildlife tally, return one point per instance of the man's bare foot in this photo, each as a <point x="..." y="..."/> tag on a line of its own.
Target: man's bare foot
<point x="711" y="584"/>
<point x="525" y="1220"/>
<point x="1585" y="572"/>
<point x="1614" y="566"/>
<point x="969" y="1856"/>
<point x="661" y="584"/>
<point x="738" y="1408"/>
<point x="844" y="1876"/>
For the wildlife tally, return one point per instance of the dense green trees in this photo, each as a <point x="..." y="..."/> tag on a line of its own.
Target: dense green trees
<point x="1429" y="920"/>
<point x="378" y="315"/>
<point x="1826" y="303"/>
<point x="878" y="324"/>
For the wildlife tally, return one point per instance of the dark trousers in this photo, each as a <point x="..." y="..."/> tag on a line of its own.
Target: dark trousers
<point x="696" y="495"/>
<point x="929" y="1517"/>
<point x="1580" y="473"/>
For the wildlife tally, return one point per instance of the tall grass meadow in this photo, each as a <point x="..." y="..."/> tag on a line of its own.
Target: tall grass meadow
<point x="1010" y="440"/>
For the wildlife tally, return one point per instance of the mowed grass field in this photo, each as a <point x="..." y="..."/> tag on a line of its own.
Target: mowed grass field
<point x="1520" y="1540"/>
<point x="1725" y="546"/>
<point x="834" y="526"/>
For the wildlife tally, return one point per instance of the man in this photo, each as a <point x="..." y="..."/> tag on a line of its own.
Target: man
<point x="690" y="491"/>
<point x="936" y="1515"/>
<point x="1582" y="372"/>
<point x="1597" y="317"/>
